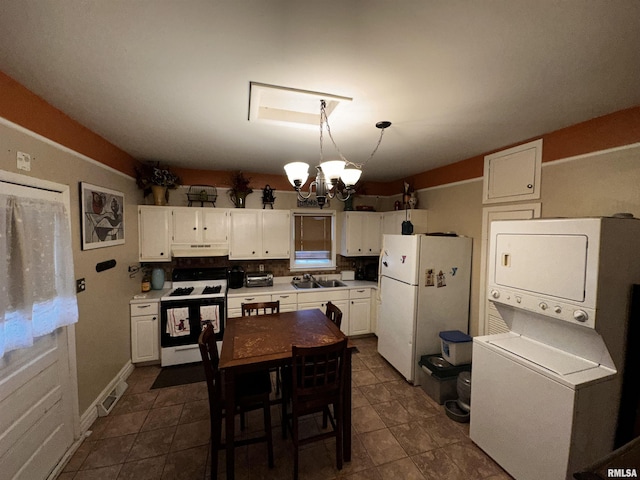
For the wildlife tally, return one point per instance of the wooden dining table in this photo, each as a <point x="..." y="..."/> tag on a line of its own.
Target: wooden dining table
<point x="265" y="341"/>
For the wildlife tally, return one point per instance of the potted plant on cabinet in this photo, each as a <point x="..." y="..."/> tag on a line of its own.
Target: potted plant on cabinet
<point x="239" y="189"/>
<point x="154" y="179"/>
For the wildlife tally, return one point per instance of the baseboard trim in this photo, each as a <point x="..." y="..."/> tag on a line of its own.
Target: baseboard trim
<point x="91" y="414"/>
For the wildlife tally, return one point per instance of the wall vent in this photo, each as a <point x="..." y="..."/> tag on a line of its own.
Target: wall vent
<point x="111" y="399"/>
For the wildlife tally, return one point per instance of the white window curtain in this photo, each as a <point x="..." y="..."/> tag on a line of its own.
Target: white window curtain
<point x="37" y="291"/>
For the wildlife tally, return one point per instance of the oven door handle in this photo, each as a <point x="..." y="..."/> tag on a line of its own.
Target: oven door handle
<point x="186" y="347"/>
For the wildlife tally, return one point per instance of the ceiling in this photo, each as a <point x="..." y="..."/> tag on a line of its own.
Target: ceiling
<point x="168" y="80"/>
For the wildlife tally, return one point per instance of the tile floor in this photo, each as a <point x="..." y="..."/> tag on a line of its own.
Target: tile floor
<point x="398" y="433"/>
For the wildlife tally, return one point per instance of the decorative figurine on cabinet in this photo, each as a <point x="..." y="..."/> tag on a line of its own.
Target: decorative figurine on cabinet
<point x="267" y="197"/>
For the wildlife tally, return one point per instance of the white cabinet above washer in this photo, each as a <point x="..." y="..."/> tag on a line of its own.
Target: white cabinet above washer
<point x="514" y="174"/>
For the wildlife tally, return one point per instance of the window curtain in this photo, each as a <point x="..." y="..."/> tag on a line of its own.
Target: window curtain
<point x="37" y="287"/>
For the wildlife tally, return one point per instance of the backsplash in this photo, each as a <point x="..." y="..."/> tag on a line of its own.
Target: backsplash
<point x="279" y="268"/>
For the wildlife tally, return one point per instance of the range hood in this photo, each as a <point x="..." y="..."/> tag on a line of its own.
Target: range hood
<point x="199" y="250"/>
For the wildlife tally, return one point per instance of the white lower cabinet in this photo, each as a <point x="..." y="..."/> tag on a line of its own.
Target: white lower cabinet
<point x="340" y="298"/>
<point x="145" y="332"/>
<point x="355" y="305"/>
<point x="288" y="301"/>
<point x="359" y="311"/>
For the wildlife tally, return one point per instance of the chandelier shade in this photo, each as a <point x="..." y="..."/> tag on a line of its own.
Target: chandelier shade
<point x="332" y="170"/>
<point x="350" y="176"/>
<point x="297" y="172"/>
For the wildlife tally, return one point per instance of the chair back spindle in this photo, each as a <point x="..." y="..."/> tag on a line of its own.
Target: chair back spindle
<point x="260" y="308"/>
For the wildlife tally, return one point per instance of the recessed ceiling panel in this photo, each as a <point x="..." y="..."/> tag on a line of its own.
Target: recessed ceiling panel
<point x="272" y="103"/>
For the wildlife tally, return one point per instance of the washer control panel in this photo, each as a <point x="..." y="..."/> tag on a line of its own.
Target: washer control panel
<point x="544" y="306"/>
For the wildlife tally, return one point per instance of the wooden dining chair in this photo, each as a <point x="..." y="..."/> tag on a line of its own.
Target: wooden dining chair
<point x="317" y="375"/>
<point x="265" y="308"/>
<point x="260" y="308"/>
<point x="251" y="393"/>
<point x="334" y="314"/>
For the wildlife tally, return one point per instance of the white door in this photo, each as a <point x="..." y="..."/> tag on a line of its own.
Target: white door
<point x="37" y="401"/>
<point x="38" y="385"/>
<point x="399" y="258"/>
<point x="490" y="320"/>
<point x="396" y="325"/>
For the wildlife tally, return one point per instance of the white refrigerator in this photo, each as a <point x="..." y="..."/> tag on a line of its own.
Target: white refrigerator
<point x="424" y="289"/>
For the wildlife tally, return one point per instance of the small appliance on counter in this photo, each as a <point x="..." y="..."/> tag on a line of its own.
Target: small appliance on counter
<point x="347" y="275"/>
<point x="236" y="277"/>
<point x="259" y="279"/>
<point x="371" y="272"/>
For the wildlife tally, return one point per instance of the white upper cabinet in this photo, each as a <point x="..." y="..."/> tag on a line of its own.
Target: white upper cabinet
<point x="256" y="234"/>
<point x="276" y="233"/>
<point x="154" y="227"/>
<point x="361" y="233"/>
<point x="514" y="174"/>
<point x="193" y="225"/>
<point x="245" y="234"/>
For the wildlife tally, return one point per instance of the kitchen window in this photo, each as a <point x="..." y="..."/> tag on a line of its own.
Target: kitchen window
<point x="313" y="238"/>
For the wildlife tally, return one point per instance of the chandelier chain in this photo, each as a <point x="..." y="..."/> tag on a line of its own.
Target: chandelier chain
<point x="324" y="121"/>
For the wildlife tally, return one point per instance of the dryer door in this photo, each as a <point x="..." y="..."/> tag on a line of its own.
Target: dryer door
<point x="550" y="265"/>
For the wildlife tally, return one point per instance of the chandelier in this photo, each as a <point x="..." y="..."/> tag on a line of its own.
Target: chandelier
<point x="329" y="173"/>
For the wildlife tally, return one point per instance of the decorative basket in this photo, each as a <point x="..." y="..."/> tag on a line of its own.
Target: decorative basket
<point x="203" y="194"/>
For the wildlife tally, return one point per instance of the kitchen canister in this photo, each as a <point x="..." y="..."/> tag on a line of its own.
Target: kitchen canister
<point x="157" y="278"/>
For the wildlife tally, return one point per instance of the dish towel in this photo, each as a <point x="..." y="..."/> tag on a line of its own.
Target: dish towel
<point x="178" y="322"/>
<point x="211" y="313"/>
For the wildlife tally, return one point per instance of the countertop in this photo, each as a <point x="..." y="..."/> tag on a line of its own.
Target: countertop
<point x="278" y="287"/>
<point x="150" y="296"/>
<point x="286" y="287"/>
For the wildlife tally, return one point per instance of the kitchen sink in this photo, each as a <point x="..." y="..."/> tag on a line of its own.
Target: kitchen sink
<point x="330" y="283"/>
<point x="305" y="284"/>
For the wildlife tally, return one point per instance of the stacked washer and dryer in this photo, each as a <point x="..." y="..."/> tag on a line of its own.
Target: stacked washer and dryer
<point x="546" y="395"/>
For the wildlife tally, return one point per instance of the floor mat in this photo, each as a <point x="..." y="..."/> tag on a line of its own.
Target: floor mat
<point x="179" y="375"/>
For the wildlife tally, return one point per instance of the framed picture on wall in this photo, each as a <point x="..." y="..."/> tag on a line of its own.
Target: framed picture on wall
<point x="102" y="213"/>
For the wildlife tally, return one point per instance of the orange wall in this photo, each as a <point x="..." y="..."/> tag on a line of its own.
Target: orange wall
<point x="608" y="131"/>
<point x="20" y="106"/>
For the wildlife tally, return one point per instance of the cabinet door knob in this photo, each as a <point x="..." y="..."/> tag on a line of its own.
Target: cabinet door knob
<point x="529" y="186"/>
<point x="194" y="228"/>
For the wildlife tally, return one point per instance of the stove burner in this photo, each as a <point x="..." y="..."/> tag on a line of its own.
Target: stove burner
<point x="181" y="292"/>
<point x="208" y="290"/>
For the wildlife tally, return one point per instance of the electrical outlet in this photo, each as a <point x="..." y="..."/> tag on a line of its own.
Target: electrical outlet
<point x="261" y="267"/>
<point x="81" y="285"/>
